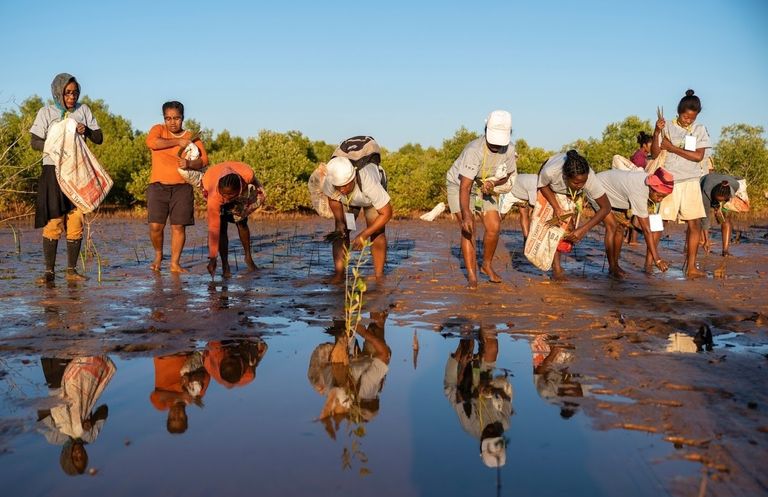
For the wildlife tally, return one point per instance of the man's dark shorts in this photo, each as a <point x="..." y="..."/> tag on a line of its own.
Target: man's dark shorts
<point x="176" y="201"/>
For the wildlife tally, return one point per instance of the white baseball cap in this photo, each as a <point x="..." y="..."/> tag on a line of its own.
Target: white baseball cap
<point x="340" y="171"/>
<point x="498" y="127"/>
<point x="493" y="452"/>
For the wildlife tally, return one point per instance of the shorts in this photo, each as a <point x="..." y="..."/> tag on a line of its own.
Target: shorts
<point x="174" y="201"/>
<point x="684" y="203"/>
<point x="370" y="212"/>
<point x="489" y="202"/>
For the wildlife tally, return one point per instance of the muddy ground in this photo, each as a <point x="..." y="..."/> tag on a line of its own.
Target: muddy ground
<point x="634" y="341"/>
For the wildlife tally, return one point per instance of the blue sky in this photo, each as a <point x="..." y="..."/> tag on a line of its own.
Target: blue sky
<point x="400" y="71"/>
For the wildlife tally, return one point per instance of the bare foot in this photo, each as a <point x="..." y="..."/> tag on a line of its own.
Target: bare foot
<point x="157" y="263"/>
<point x="649" y="269"/>
<point x="47" y="277"/>
<point x="226" y="271"/>
<point x="695" y="273"/>
<point x="73" y="275"/>
<point x="251" y="266"/>
<point x="616" y="273"/>
<point x="337" y="278"/>
<point x="472" y="285"/>
<point x="726" y="254"/>
<point x="176" y="268"/>
<point x="492" y="276"/>
<point x="559" y="276"/>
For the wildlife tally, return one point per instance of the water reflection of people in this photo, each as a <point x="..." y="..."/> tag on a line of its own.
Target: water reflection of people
<point x="232" y="363"/>
<point x="73" y="422"/>
<point x="551" y="376"/>
<point x="351" y="390"/>
<point x="482" y="399"/>
<point x="180" y="380"/>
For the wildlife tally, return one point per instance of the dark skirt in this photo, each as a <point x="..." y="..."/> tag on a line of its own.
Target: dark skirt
<point x="51" y="201"/>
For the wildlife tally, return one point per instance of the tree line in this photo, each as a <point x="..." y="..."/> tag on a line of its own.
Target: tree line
<point x="284" y="161"/>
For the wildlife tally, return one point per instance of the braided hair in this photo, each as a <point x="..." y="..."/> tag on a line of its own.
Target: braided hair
<point x="231" y="182"/>
<point x="720" y="190"/>
<point x="689" y="102"/>
<point x="575" y="165"/>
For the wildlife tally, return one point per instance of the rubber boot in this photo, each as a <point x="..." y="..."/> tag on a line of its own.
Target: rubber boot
<point x="73" y="252"/>
<point x="49" y="255"/>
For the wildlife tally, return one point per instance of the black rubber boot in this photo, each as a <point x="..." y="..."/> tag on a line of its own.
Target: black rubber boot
<point x="49" y="255"/>
<point x="73" y="252"/>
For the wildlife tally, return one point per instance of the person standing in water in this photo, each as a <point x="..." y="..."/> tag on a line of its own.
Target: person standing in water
<point x="169" y="196"/>
<point x="569" y="175"/>
<point x="485" y="163"/>
<point x="232" y="192"/>
<point x="627" y="192"/>
<point x="685" y="142"/>
<point x="716" y="190"/>
<point x="54" y="212"/>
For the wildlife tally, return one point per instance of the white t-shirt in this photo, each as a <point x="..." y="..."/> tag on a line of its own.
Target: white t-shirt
<point x="626" y="190"/>
<point x="470" y="163"/>
<point x="367" y="193"/>
<point x="51" y="114"/>
<point x="551" y="175"/>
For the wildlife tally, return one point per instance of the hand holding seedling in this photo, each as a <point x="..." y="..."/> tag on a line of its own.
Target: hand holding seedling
<point x="487" y="187"/>
<point x="183" y="142"/>
<point x="358" y="242"/>
<point x="80" y="129"/>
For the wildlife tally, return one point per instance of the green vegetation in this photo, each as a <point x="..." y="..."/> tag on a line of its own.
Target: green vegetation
<point x="284" y="161"/>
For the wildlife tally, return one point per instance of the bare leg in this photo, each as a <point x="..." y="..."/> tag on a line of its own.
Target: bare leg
<point x="726" y="228"/>
<point x="470" y="254"/>
<point x="525" y="221"/>
<point x="557" y="270"/>
<point x="245" y="238"/>
<point x="610" y="225"/>
<point x="338" y="259"/>
<point x="692" y="247"/>
<point x="178" y="238"/>
<point x="156" y="236"/>
<point x="492" y="225"/>
<point x="618" y="241"/>
<point x="379" y="252"/>
<point x="632" y="238"/>
<point x="649" y="262"/>
<point x="224" y="249"/>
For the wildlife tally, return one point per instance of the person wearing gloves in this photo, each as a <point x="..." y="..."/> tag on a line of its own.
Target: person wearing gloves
<point x="54" y="212"/>
<point x="232" y="193"/>
<point x="484" y="164"/>
<point x="630" y="194"/>
<point x="350" y="189"/>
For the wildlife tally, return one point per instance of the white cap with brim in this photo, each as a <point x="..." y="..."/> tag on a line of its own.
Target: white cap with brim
<point x="493" y="452"/>
<point x="498" y="128"/>
<point x="340" y="171"/>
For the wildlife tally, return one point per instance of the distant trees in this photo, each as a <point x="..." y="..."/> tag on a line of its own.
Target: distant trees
<point x="284" y="161"/>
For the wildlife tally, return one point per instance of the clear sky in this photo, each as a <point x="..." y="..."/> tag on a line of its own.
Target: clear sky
<point x="400" y="71"/>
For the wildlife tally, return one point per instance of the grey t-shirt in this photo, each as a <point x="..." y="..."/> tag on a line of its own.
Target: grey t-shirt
<point x="51" y="114"/>
<point x="708" y="182"/>
<point x="551" y="175"/>
<point x="526" y="188"/>
<point x="371" y="194"/>
<point x="684" y="169"/>
<point x="470" y="163"/>
<point x="626" y="190"/>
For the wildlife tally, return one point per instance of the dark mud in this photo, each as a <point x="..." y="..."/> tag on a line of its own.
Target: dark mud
<point x="610" y="389"/>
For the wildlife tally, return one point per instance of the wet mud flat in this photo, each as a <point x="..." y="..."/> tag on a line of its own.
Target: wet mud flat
<point x="648" y="386"/>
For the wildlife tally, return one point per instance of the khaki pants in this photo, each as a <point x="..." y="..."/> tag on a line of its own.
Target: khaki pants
<point x="72" y="222"/>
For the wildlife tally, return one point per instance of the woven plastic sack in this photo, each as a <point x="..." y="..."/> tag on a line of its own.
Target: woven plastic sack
<point x="623" y="164"/>
<point x="192" y="176"/>
<point x="319" y="199"/>
<point x="80" y="176"/>
<point x="543" y="240"/>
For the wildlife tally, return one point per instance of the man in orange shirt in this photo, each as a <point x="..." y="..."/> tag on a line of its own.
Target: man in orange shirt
<point x="168" y="194"/>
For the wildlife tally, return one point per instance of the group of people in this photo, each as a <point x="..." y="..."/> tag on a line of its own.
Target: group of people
<point x="482" y="183"/>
